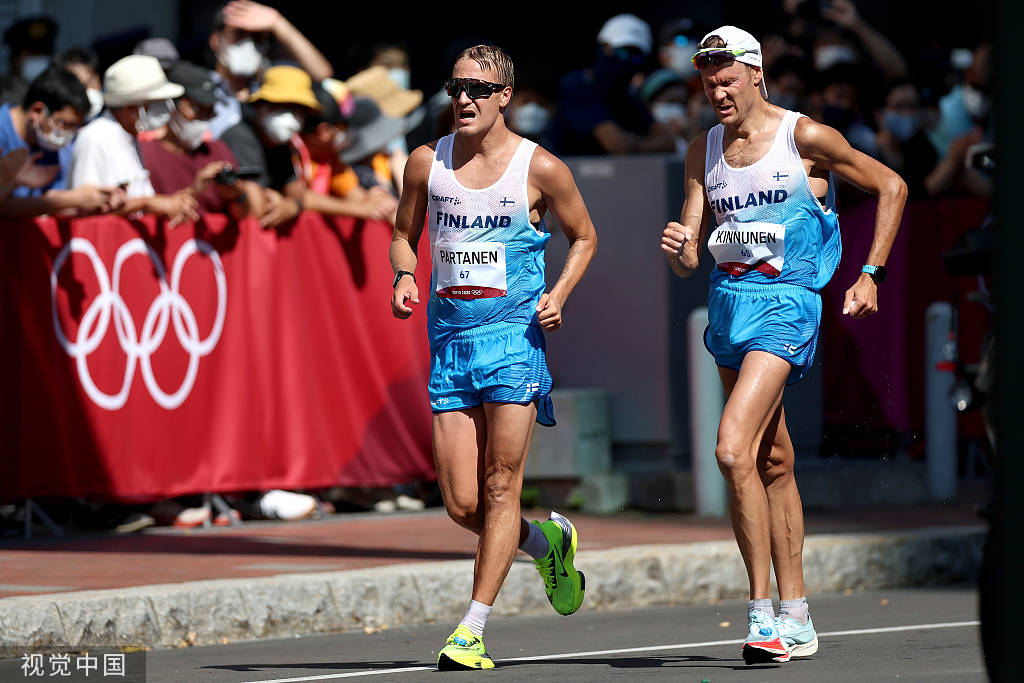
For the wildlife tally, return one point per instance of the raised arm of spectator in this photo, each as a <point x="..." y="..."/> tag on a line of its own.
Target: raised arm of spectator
<point x="176" y="208"/>
<point x="882" y="52"/>
<point x="83" y="200"/>
<point x="374" y="204"/>
<point x="257" y="18"/>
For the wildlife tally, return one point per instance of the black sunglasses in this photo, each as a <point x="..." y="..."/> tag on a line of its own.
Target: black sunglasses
<point x="474" y="89"/>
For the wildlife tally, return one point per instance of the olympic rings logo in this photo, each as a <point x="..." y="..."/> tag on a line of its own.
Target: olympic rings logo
<point x="168" y="307"/>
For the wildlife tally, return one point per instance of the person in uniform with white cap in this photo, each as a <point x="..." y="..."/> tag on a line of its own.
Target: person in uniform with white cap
<point x="598" y="112"/>
<point x="761" y="182"/>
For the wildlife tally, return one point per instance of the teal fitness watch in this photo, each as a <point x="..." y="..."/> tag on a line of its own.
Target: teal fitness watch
<point x="877" y="273"/>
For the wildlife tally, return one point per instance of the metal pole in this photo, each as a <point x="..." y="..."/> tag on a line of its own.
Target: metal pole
<point x="939" y="416"/>
<point x="706" y="403"/>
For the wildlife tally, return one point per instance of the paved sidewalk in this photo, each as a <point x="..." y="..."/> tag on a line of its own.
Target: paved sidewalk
<point x="166" y="587"/>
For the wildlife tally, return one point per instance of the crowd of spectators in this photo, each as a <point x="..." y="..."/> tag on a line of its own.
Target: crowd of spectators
<point x="642" y="94"/>
<point x="250" y="136"/>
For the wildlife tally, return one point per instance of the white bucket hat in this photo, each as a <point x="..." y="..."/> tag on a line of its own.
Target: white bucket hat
<point x="136" y="79"/>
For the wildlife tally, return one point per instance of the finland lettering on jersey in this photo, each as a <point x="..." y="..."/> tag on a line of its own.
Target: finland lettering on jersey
<point x="767" y="216"/>
<point x="487" y="258"/>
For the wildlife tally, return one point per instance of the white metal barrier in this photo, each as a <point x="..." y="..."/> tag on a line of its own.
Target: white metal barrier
<point x="706" y="403"/>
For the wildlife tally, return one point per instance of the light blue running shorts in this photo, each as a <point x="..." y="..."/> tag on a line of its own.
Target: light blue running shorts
<point x="497" y="363"/>
<point x="780" y="319"/>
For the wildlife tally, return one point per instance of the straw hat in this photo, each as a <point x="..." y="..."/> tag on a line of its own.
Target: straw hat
<point x="393" y="100"/>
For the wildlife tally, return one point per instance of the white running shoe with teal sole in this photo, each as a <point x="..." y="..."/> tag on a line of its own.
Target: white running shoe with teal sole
<point x="800" y="639"/>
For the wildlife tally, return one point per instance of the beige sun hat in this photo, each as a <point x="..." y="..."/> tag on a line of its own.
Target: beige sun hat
<point x="393" y="100"/>
<point x="136" y="79"/>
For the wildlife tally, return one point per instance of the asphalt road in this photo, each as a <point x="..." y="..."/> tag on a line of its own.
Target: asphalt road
<point x="907" y="634"/>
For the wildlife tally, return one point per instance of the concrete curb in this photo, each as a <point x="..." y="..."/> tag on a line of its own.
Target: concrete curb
<point x="211" y="612"/>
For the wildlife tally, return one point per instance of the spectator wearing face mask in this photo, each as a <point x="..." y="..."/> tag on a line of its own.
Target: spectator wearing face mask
<point x="665" y="92"/>
<point x="264" y="143"/>
<point x="964" y="121"/>
<point x="677" y="41"/>
<point x="85" y="65"/>
<point x="835" y="47"/>
<point x="187" y="157"/>
<point x="599" y="112"/>
<point x="241" y="41"/>
<point x="788" y="82"/>
<point x="838" y="101"/>
<point x="138" y="98"/>
<point x="30" y="46"/>
<point x="395" y="58"/>
<point x="902" y="143"/>
<point x="965" y="109"/>
<point x="394" y="102"/>
<point x="332" y="186"/>
<point x="531" y="109"/>
<point x="44" y="125"/>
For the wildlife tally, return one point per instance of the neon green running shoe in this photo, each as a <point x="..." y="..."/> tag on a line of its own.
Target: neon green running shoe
<point x="562" y="583"/>
<point x="464" y="650"/>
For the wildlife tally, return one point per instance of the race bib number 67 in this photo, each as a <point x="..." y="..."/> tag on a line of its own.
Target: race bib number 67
<point x="470" y="270"/>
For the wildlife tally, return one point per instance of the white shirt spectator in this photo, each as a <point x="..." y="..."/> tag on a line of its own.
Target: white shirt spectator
<point x="105" y="155"/>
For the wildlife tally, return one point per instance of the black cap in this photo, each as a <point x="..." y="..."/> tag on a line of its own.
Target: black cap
<point x="197" y="81"/>
<point x="36" y="34"/>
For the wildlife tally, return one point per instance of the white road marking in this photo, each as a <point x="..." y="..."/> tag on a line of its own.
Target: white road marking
<point x="625" y="650"/>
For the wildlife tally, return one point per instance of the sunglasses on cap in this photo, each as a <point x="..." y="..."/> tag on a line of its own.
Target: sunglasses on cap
<point x="716" y="56"/>
<point x="475" y="89"/>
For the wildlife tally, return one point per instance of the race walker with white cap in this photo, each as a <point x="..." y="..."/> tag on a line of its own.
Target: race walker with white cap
<point x="761" y="183"/>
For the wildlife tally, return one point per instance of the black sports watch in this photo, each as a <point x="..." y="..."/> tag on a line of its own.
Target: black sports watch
<point x="877" y="273"/>
<point x="398" y="276"/>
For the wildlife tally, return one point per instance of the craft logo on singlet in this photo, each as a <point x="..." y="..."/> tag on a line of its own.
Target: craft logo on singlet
<point x="463" y="222"/>
<point x="736" y="202"/>
<point x="454" y="201"/>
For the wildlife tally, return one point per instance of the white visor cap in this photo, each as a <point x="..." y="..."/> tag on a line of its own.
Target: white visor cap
<point x="738" y="39"/>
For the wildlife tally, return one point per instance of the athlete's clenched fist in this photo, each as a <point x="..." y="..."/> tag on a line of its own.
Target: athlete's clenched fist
<point x="680" y="242"/>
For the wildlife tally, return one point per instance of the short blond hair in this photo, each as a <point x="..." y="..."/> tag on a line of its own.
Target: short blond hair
<point x="491" y="57"/>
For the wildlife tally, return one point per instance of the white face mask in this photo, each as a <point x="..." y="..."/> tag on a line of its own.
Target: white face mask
<point x="679" y="59"/>
<point x="242" y="58"/>
<point x="976" y="102"/>
<point x="401" y="77"/>
<point x="153" y="116"/>
<point x="281" y="126"/>
<point x="340" y="141"/>
<point x="530" y="119"/>
<point x="95" y="103"/>
<point x="53" y="140"/>
<point x="663" y="112"/>
<point x="830" y="55"/>
<point x="191" y="133"/>
<point x="33" y="66"/>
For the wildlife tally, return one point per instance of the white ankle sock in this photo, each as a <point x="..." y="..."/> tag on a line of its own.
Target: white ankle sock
<point x="536" y="544"/>
<point x="794" y="609"/>
<point x="764" y="605"/>
<point x="476" y="617"/>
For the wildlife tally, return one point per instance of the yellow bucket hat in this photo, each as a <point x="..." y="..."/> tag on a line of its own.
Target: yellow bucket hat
<point x="286" y="85"/>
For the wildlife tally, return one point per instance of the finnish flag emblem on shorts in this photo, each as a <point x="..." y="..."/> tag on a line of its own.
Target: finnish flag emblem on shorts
<point x="531" y="389"/>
